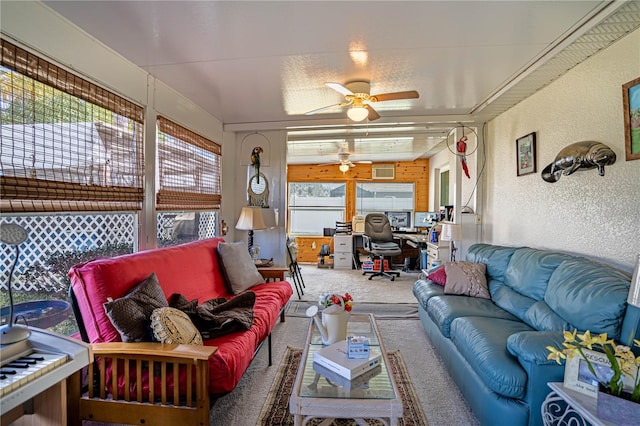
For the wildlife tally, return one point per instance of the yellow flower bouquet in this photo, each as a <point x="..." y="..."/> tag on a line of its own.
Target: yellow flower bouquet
<point x="623" y="360"/>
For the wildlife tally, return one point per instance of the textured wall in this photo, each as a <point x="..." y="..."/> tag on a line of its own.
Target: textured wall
<point x="584" y="213"/>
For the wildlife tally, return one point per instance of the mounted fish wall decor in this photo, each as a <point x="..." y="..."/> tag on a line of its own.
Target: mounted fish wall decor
<point x="583" y="155"/>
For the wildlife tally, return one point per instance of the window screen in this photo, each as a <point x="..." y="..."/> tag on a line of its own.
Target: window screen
<point x="66" y="143"/>
<point x="188" y="169"/>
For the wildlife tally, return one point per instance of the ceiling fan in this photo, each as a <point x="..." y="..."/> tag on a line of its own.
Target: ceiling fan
<point x="344" y="162"/>
<point x="357" y="96"/>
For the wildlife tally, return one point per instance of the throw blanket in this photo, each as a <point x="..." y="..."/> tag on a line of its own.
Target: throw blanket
<point x="217" y="317"/>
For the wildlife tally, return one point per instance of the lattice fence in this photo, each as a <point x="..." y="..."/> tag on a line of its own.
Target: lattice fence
<point x="51" y="234"/>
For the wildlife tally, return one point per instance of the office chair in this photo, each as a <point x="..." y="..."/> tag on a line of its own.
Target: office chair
<point x="378" y="240"/>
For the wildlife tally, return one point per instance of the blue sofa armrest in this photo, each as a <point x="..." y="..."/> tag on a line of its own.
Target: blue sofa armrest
<point x="531" y="346"/>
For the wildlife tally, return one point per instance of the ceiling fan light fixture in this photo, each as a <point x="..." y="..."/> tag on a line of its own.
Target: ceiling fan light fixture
<point x="344" y="168"/>
<point x="358" y="113"/>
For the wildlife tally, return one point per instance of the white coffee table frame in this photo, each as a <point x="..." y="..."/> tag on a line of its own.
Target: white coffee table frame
<point x="305" y="408"/>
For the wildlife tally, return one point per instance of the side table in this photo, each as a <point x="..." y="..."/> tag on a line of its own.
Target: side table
<point x="567" y="407"/>
<point x="273" y="273"/>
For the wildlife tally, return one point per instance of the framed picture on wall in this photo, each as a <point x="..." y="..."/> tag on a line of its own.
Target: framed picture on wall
<point x="631" y="104"/>
<point x="526" y="154"/>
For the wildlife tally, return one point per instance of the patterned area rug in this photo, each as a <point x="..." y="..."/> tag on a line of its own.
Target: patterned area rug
<point x="382" y="311"/>
<point x="275" y="411"/>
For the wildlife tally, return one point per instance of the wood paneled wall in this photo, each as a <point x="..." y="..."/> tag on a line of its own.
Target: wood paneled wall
<point x="405" y="171"/>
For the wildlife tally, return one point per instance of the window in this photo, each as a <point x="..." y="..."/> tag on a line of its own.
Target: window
<point x="384" y="197"/>
<point x="314" y="206"/>
<point x="188" y="184"/>
<point x="66" y="146"/>
<point x="444" y="188"/>
<point x="66" y="143"/>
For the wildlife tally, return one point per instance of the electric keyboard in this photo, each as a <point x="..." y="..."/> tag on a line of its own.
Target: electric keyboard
<point x="31" y="366"/>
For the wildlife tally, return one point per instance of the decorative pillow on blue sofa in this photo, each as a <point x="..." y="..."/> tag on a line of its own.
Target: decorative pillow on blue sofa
<point x="439" y="276"/>
<point x="466" y="278"/>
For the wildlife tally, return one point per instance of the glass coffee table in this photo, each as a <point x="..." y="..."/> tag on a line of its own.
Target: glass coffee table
<point x="320" y="394"/>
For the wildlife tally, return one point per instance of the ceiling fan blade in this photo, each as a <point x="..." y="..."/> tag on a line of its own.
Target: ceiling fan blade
<point x="364" y="162"/>
<point x="373" y="114"/>
<point x="341" y="104"/>
<point x="411" y="94"/>
<point x="339" y="88"/>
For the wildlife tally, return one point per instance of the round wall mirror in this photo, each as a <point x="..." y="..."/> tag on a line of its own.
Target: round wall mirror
<point x="258" y="191"/>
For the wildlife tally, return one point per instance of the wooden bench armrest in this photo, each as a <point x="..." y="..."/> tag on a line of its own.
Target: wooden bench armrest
<point x="153" y="350"/>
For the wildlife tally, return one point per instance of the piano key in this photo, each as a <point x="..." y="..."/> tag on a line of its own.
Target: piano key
<point x="30" y="372"/>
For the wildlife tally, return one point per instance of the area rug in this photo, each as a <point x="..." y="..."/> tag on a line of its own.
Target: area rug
<point x="275" y="411"/>
<point x="382" y="311"/>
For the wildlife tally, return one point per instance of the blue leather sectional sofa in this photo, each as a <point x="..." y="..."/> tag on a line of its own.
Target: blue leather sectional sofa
<point x="495" y="349"/>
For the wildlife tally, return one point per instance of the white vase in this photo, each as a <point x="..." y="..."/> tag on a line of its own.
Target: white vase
<point x="334" y="321"/>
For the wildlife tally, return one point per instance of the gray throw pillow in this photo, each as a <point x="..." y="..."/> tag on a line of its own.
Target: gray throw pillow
<point x="239" y="270"/>
<point x="466" y="278"/>
<point x="131" y="314"/>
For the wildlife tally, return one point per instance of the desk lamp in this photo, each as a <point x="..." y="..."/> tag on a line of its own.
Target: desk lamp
<point x="451" y="232"/>
<point x="13" y="235"/>
<point x="251" y="220"/>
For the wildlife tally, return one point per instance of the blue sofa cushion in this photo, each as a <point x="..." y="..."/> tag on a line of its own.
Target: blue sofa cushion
<point x="541" y="317"/>
<point x="444" y="309"/>
<point x="529" y="270"/>
<point x="495" y="257"/>
<point x="531" y="346"/>
<point x="590" y="296"/>
<point x="424" y="290"/>
<point x="512" y="301"/>
<point x="482" y="342"/>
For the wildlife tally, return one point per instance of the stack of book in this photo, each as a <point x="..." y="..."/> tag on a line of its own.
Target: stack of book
<point x="335" y="358"/>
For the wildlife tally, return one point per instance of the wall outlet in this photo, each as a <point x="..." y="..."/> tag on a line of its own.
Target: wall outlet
<point x="478" y="219"/>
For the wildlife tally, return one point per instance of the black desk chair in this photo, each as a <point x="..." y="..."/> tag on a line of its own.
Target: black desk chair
<point x="378" y="240"/>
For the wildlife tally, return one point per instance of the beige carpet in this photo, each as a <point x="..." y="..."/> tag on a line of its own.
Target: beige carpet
<point x="438" y="396"/>
<point x="275" y="411"/>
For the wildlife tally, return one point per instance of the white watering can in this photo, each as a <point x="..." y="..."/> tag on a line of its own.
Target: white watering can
<point x="333" y="326"/>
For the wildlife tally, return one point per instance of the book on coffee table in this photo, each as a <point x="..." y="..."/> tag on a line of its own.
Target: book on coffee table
<point x="335" y="358"/>
<point x="360" y="382"/>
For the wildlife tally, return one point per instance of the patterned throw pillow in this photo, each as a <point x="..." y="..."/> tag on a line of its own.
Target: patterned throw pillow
<point x="130" y="314"/>
<point x="466" y="278"/>
<point x="170" y="325"/>
<point x="439" y="276"/>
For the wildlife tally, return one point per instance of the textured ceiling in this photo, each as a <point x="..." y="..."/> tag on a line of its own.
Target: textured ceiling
<point x="262" y="65"/>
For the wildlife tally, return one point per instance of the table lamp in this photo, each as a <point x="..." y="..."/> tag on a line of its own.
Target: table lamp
<point x="251" y="219"/>
<point x="451" y="232"/>
<point x="13" y="235"/>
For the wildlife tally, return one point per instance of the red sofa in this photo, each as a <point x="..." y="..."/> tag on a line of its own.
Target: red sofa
<point x="193" y="270"/>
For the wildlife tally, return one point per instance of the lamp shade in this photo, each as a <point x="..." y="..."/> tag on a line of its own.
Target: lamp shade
<point x="451" y="232"/>
<point x="358" y="113"/>
<point x="344" y="168"/>
<point x="634" y="291"/>
<point x="251" y="219"/>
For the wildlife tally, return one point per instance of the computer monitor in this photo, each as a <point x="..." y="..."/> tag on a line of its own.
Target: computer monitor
<point x="399" y="219"/>
<point x="425" y="219"/>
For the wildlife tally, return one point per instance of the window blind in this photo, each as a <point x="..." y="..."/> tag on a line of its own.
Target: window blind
<point x="189" y="169"/>
<point x="66" y="143"/>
